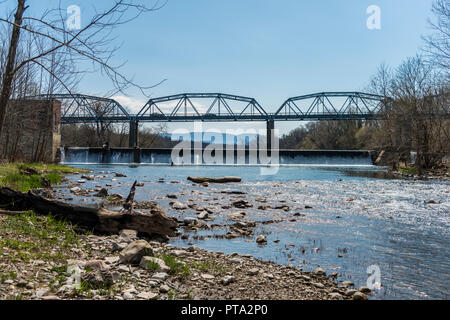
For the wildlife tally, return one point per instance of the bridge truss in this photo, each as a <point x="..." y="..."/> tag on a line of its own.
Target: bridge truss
<point x="333" y="106"/>
<point x="218" y="107"/>
<point x="192" y="107"/>
<point x="80" y="108"/>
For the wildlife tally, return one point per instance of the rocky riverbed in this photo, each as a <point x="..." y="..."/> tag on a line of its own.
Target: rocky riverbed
<point x="124" y="267"/>
<point x="300" y="220"/>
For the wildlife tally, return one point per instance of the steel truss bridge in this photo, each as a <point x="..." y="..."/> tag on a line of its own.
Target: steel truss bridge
<point x="218" y="107"/>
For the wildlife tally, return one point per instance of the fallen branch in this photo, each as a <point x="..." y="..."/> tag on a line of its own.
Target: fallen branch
<point x="214" y="180"/>
<point x="101" y="220"/>
<point x="129" y="202"/>
<point x="10" y="213"/>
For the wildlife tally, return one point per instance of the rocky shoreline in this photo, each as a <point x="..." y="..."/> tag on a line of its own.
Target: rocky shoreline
<point x="442" y="173"/>
<point x="169" y="272"/>
<point x="124" y="267"/>
<point x="407" y="176"/>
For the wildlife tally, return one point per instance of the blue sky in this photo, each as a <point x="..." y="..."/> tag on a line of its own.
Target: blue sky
<point x="266" y="49"/>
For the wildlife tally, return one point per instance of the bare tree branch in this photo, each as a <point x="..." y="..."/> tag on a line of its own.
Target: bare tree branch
<point x="53" y="48"/>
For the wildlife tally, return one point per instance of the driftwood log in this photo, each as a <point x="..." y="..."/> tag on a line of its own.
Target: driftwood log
<point x="10" y="213"/>
<point x="100" y="220"/>
<point x="214" y="180"/>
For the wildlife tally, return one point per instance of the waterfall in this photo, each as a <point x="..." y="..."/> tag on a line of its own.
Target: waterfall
<point x="241" y="157"/>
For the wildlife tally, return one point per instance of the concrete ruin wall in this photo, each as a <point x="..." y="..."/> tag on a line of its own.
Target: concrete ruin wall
<point x="32" y="131"/>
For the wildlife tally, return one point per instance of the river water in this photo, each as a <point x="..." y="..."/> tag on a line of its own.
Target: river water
<point x="342" y="218"/>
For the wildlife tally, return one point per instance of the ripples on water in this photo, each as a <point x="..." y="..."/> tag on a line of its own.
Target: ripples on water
<point x="356" y="220"/>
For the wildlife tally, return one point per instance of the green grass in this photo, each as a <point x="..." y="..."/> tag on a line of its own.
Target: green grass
<point x="172" y="294"/>
<point x="184" y="269"/>
<point x="17" y="245"/>
<point x="61" y="270"/>
<point x="53" y="177"/>
<point x="408" y="170"/>
<point x="16" y="297"/>
<point x="42" y="167"/>
<point x="8" y="275"/>
<point x="21" y="182"/>
<point x="31" y="237"/>
<point x="86" y="288"/>
<point x="11" y="175"/>
<point x="176" y="267"/>
<point x="46" y="228"/>
<point x="152" y="266"/>
<point x="208" y="265"/>
<point x="60" y="278"/>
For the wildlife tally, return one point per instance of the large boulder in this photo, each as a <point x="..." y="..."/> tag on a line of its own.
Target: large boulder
<point x="190" y="220"/>
<point x="179" y="206"/>
<point x="227" y="280"/>
<point x="151" y="262"/>
<point x="203" y="215"/>
<point x="261" y="239"/>
<point x="128" y="235"/>
<point x="102" y="193"/>
<point x="319" y="272"/>
<point x="96" y="265"/>
<point x="236" y="215"/>
<point x="133" y="253"/>
<point x="359" y="296"/>
<point x="98" y="279"/>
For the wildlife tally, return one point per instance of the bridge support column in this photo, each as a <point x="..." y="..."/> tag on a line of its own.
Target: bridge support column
<point x="133" y="134"/>
<point x="269" y="135"/>
<point x="134" y="141"/>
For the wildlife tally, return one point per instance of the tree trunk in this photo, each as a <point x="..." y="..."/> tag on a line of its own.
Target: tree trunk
<point x="100" y="220"/>
<point x="11" y="61"/>
<point x="214" y="180"/>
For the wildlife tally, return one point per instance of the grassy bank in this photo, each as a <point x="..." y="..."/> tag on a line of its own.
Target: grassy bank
<point x="28" y="237"/>
<point x="408" y="170"/>
<point x="24" y="177"/>
<point x="33" y="253"/>
<point x="440" y="172"/>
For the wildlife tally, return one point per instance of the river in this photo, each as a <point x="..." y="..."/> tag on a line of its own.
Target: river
<point x="342" y="218"/>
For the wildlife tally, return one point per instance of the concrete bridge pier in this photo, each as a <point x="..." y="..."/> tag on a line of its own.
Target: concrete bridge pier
<point x="133" y="134"/>
<point x="269" y="136"/>
<point x="134" y="141"/>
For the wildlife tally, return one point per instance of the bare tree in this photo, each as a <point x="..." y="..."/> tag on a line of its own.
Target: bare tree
<point x="153" y="137"/>
<point x="438" y="43"/>
<point x="9" y="72"/>
<point x="380" y="83"/>
<point x="88" y="135"/>
<point x="53" y="42"/>
<point x="419" y="93"/>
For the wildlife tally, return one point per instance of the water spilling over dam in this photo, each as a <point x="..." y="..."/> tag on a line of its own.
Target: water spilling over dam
<point x="160" y="156"/>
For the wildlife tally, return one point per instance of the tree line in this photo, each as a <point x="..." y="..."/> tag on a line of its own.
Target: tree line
<point x="418" y="87"/>
<point x="113" y="135"/>
<point x="40" y="53"/>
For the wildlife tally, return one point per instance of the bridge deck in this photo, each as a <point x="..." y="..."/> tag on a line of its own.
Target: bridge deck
<point x="190" y="118"/>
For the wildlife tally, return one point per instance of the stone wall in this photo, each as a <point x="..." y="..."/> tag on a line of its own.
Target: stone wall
<point x="32" y="131"/>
